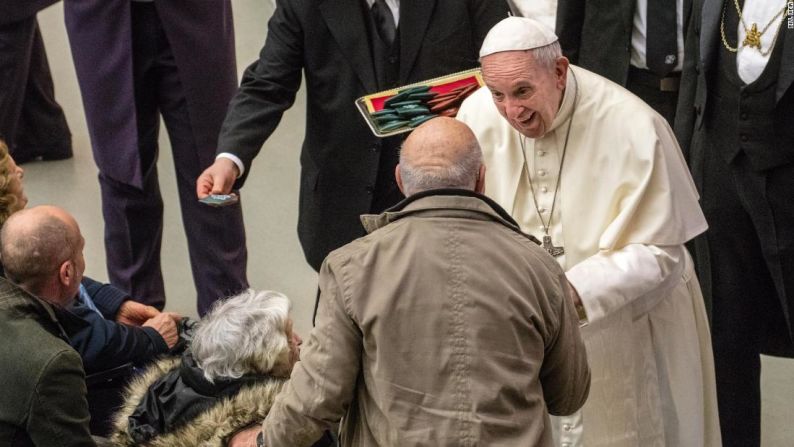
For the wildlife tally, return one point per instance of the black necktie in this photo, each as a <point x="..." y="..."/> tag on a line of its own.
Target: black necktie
<point x="384" y="21"/>
<point x="661" y="38"/>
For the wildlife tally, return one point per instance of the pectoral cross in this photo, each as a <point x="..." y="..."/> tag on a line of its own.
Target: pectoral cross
<point x="549" y="247"/>
<point x="753" y="38"/>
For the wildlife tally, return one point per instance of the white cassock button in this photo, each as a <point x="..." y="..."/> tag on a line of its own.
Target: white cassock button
<point x="541" y="153"/>
<point x="566" y="444"/>
<point x="541" y="228"/>
<point x="542" y="210"/>
<point x="544" y="189"/>
<point x="541" y="172"/>
<point x="566" y="427"/>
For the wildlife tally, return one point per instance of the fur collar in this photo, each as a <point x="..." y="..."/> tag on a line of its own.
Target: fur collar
<point x="211" y="428"/>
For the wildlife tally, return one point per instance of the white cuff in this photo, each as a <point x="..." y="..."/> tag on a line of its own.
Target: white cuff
<point x="235" y="159"/>
<point x="607" y="281"/>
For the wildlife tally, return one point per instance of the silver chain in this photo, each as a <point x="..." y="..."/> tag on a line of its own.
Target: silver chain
<point x="559" y="171"/>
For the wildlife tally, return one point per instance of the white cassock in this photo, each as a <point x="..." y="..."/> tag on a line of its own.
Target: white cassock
<point x="625" y="207"/>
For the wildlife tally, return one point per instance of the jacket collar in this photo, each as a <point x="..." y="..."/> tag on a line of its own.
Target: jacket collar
<point x="568" y="99"/>
<point x="176" y="398"/>
<point x="13" y="296"/>
<point x="414" y="20"/>
<point x="350" y="33"/>
<point x="443" y="200"/>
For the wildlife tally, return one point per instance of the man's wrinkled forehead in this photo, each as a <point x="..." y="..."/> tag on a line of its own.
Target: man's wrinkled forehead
<point x="517" y="67"/>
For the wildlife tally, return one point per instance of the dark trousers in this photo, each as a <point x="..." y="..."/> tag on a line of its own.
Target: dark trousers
<point x="31" y="122"/>
<point x="646" y="85"/>
<point x="749" y="250"/>
<point x="134" y="217"/>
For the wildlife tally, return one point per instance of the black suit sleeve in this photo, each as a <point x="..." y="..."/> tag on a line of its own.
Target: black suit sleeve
<point x="485" y="14"/>
<point x="267" y="89"/>
<point x="569" y="24"/>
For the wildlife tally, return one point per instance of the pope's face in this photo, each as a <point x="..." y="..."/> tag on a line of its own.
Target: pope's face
<point x="526" y="93"/>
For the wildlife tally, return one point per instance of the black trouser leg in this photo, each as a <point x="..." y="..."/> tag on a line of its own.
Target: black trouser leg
<point x="31" y="122"/>
<point x="745" y="302"/>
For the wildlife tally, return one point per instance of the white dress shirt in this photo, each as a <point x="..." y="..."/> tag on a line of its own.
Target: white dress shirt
<point x="750" y="63"/>
<point x="639" y="34"/>
<point x="394" y="6"/>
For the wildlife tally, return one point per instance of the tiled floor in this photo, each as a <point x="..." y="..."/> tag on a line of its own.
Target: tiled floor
<point x="270" y="205"/>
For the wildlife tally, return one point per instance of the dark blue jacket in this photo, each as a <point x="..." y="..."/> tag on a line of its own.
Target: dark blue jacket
<point x="102" y="343"/>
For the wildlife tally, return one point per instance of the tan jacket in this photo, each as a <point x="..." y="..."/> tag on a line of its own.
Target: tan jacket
<point x="445" y="326"/>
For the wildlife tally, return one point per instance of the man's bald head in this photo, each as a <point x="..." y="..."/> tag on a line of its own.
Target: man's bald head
<point x="441" y="153"/>
<point x="36" y="243"/>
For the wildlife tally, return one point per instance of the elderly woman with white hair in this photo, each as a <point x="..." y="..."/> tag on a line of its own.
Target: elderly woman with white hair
<point x="241" y="355"/>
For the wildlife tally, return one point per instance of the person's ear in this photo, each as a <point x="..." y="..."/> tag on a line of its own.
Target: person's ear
<point x="561" y="71"/>
<point x="479" y="185"/>
<point x="66" y="273"/>
<point x="398" y="178"/>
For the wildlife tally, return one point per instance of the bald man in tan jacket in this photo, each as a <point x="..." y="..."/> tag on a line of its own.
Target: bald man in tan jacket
<point x="445" y="326"/>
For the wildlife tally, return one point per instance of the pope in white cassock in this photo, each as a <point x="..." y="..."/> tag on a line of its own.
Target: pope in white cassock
<point x="597" y="175"/>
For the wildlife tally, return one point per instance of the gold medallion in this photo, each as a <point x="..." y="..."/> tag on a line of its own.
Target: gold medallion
<point x="753" y="38"/>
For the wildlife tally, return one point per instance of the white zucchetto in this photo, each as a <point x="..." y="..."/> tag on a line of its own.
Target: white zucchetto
<point x="517" y="34"/>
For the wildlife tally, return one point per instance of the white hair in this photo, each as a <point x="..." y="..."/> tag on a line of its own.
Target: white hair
<point x="547" y="55"/>
<point x="460" y="174"/>
<point x="243" y="334"/>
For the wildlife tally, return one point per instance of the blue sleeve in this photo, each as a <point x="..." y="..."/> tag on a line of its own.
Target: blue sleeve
<point x="107" y="297"/>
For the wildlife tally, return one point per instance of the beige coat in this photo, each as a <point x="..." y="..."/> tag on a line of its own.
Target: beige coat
<point x="445" y="326"/>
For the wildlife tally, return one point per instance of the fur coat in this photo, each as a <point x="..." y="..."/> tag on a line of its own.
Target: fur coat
<point x="211" y="428"/>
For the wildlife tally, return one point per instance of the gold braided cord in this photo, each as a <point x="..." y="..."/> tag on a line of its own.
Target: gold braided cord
<point x="741" y="17"/>
<point x="722" y="34"/>
<point x="749" y="31"/>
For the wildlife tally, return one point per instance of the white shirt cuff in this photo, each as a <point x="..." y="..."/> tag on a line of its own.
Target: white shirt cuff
<point x="235" y="159"/>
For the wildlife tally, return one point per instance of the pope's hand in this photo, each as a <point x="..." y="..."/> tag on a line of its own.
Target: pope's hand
<point x="133" y="313"/>
<point x="217" y="179"/>
<point x="574" y="295"/>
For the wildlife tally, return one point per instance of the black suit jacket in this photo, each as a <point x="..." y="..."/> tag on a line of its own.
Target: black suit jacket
<point x="701" y="46"/>
<point x="326" y="41"/>
<point x="596" y="34"/>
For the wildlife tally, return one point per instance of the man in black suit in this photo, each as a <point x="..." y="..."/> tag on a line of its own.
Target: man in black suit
<point x="346" y="49"/>
<point x="735" y="122"/>
<point x="638" y="44"/>
<point x="31" y="122"/>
